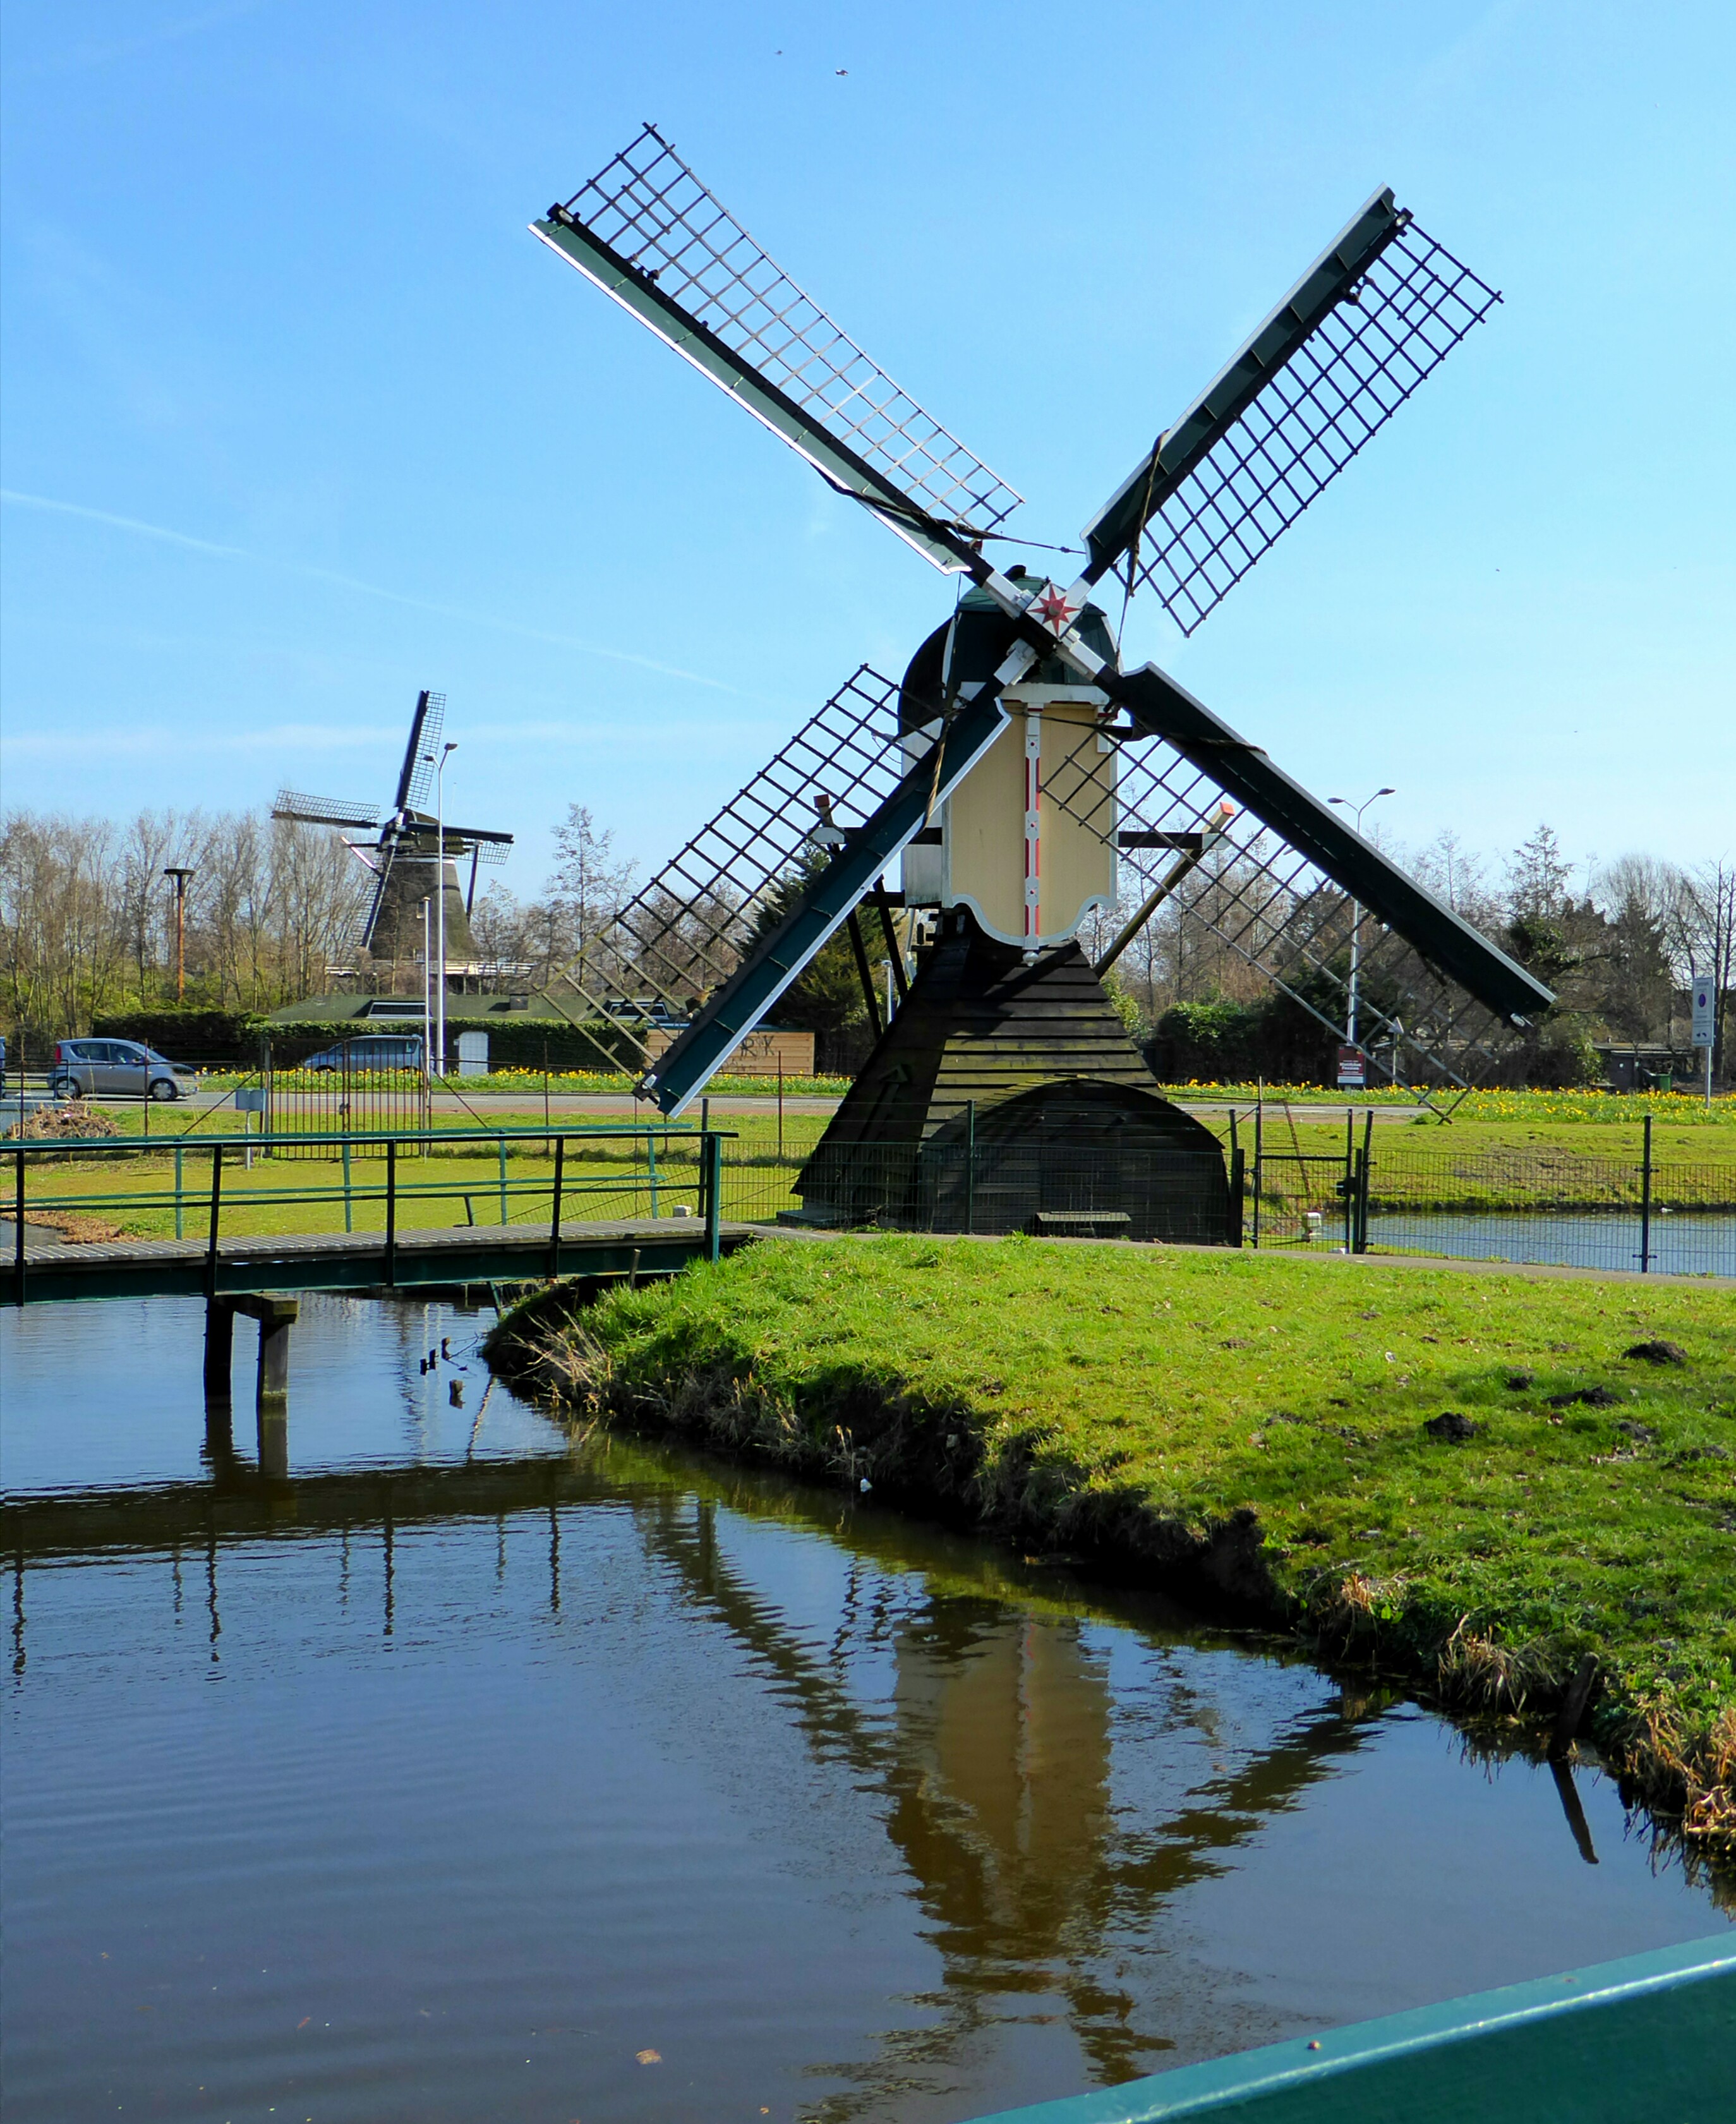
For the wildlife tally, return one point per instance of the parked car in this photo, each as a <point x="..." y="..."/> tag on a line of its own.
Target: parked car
<point x="121" y="1068"/>
<point x="370" y="1050"/>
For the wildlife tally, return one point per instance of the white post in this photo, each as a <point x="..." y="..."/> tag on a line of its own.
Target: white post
<point x="1356" y="912"/>
<point x="427" y="997"/>
<point x="440" y="888"/>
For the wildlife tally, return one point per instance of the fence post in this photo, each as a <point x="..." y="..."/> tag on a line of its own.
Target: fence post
<point x="1349" y="1189"/>
<point x="348" y="1201"/>
<point x="503" y="1179"/>
<point x="554" y="1222"/>
<point x="1259" y="1102"/>
<point x="268" y="1120"/>
<point x="1645" y="1200"/>
<point x="180" y="1192"/>
<point x="18" y="1226"/>
<point x="1238" y="1171"/>
<point x="1362" y="1191"/>
<point x="216" y="1196"/>
<point x="712" y="1146"/>
<point x="392" y="1211"/>
<point x="970" y="1166"/>
<point x="650" y="1153"/>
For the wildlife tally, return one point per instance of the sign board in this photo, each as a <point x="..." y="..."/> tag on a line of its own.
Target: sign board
<point x="1353" y="1070"/>
<point x="251" y="1098"/>
<point x="472" y="1054"/>
<point x="1702" y="996"/>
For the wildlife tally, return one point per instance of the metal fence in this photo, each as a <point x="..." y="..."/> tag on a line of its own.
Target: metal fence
<point x="1552" y="1205"/>
<point x="435" y="1179"/>
<point x="1046" y="1190"/>
<point x="1658" y="1216"/>
<point x="1663" y="1218"/>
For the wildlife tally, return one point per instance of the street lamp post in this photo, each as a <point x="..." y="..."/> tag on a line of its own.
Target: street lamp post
<point x="180" y="873"/>
<point x="1356" y="913"/>
<point x="427" y="996"/>
<point x="446" y="753"/>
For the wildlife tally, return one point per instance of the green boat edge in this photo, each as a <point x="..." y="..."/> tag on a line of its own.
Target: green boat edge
<point x="1649" y="2036"/>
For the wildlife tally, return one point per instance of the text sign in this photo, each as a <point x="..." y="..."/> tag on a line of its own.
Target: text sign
<point x="1353" y="1070"/>
<point x="1702" y="996"/>
<point x="251" y="1098"/>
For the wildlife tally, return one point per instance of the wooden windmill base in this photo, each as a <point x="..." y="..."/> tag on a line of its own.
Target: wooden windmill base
<point x="1007" y="1098"/>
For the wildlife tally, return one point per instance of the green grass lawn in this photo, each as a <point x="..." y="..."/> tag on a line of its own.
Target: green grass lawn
<point x="1265" y="1417"/>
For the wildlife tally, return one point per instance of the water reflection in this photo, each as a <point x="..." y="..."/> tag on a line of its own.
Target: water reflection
<point x="852" y="1817"/>
<point x="995" y="1769"/>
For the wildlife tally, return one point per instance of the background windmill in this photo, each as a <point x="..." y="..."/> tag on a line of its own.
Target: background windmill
<point x="405" y="854"/>
<point x="1022" y="777"/>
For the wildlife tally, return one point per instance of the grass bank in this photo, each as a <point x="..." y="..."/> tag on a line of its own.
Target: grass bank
<point x="1254" y="1431"/>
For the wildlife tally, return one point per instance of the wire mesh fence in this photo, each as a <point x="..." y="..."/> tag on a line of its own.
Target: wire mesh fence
<point x="989" y="1189"/>
<point x="1566" y="1207"/>
<point x="1666" y="1217"/>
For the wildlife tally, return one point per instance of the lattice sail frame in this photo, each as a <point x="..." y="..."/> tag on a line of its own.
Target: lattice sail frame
<point x="1364" y="360"/>
<point x="683" y="933"/>
<point x="1279" y="914"/>
<point x="651" y="209"/>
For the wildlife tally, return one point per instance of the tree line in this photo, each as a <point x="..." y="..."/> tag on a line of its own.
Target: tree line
<point x="88" y="917"/>
<point x="273" y="909"/>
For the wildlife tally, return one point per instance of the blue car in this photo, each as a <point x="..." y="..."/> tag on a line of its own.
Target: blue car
<point x="370" y="1050"/>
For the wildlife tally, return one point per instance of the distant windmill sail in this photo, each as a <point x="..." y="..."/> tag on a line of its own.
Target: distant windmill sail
<point x="405" y="854"/>
<point x="323" y="811"/>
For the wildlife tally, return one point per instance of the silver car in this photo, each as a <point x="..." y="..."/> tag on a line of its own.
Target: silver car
<point x="117" y="1068"/>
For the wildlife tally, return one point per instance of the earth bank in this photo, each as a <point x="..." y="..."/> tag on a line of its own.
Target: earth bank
<point x="1261" y="1435"/>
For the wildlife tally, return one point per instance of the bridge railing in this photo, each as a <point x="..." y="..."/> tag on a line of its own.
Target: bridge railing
<point x="111" y="1188"/>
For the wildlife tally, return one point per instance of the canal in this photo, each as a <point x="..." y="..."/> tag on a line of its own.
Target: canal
<point x="480" y="1773"/>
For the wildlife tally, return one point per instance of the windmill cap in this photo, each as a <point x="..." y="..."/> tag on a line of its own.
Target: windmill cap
<point x="979" y="645"/>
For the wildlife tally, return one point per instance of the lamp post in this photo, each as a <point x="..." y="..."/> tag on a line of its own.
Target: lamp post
<point x="446" y="753"/>
<point x="1356" y="911"/>
<point x="427" y="992"/>
<point x="180" y="873"/>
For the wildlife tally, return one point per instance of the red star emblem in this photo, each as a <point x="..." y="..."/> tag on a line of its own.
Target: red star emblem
<point x="1051" y="606"/>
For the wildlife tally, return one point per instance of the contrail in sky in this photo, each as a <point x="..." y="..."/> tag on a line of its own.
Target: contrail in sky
<point x="157" y="531"/>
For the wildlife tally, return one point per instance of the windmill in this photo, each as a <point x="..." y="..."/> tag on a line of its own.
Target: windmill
<point x="406" y="851"/>
<point x="1020" y="778"/>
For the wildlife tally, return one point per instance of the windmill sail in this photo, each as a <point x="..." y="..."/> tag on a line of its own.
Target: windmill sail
<point x="647" y="232"/>
<point x="683" y="938"/>
<point x="1380" y="309"/>
<point x="324" y="810"/>
<point x="1281" y="882"/>
<point x="822" y="905"/>
<point x="415" y="777"/>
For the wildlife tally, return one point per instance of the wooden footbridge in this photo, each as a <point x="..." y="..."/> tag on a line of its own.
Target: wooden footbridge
<point x="566" y="1221"/>
<point x="43" y="1269"/>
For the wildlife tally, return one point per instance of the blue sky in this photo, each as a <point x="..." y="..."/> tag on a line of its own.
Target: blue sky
<point x="298" y="417"/>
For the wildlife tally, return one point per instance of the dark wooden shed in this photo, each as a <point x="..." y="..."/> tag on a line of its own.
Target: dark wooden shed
<point x="1008" y="1096"/>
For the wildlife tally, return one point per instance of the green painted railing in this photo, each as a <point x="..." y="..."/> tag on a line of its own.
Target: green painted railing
<point x="1648" y="2039"/>
<point x="636" y="1170"/>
